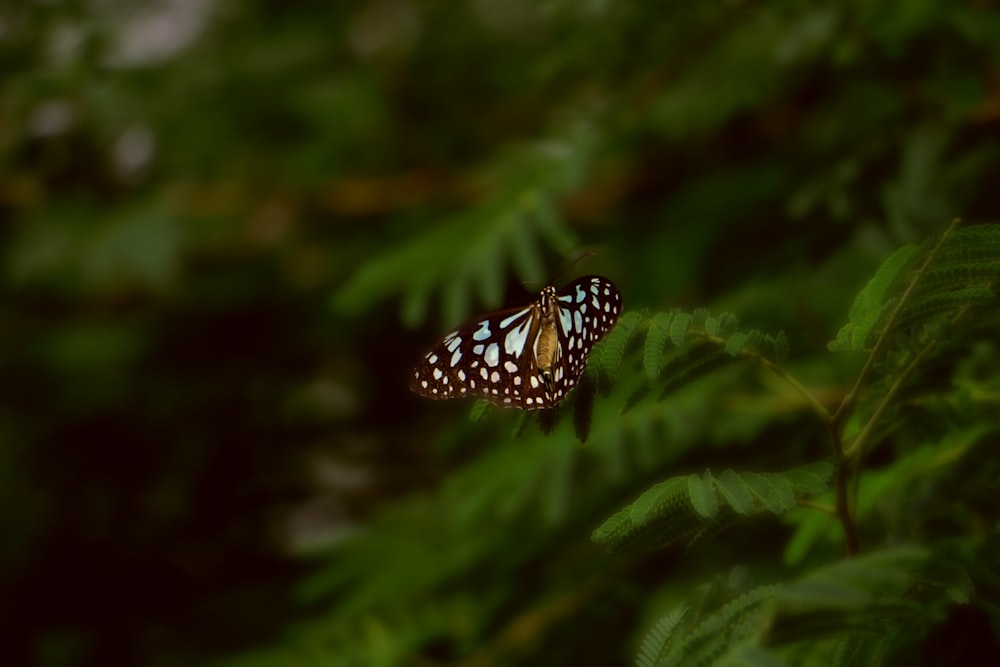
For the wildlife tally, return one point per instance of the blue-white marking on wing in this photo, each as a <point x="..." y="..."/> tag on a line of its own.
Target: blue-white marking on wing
<point x="578" y="321"/>
<point x="566" y="320"/>
<point x="514" y="342"/>
<point x="453" y="343"/>
<point x="568" y="298"/>
<point x="483" y="332"/>
<point x="492" y="355"/>
<point x="506" y="322"/>
<point x="580" y="294"/>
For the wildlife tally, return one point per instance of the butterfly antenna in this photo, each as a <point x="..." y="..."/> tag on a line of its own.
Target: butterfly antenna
<point x="589" y="253"/>
<point x="555" y="280"/>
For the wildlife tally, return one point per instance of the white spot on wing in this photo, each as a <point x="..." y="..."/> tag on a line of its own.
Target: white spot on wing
<point x="483" y="332"/>
<point x="484" y="372"/>
<point x="495" y="377"/>
<point x="461" y="375"/>
<point x="506" y="322"/>
<point x="566" y="320"/>
<point x="492" y="356"/>
<point x="510" y="366"/>
<point x="455" y="358"/>
<point x="514" y="342"/>
<point x="433" y="358"/>
<point x="437" y="373"/>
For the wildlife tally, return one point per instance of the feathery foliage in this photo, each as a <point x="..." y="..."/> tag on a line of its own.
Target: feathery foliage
<point x="957" y="276"/>
<point x="232" y="227"/>
<point x="682" y="505"/>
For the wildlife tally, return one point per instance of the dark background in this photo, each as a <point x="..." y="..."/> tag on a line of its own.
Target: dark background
<point x="230" y="228"/>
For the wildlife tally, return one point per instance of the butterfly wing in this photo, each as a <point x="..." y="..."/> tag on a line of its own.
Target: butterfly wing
<point x="587" y="308"/>
<point x="490" y="357"/>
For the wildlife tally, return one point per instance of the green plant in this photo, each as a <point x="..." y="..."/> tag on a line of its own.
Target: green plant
<point x="926" y="307"/>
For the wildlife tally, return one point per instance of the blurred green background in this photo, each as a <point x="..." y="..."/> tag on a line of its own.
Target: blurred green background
<point x="230" y="228"/>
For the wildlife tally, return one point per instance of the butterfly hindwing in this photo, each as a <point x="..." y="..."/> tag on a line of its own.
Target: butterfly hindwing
<point x="588" y="308"/>
<point x="526" y="357"/>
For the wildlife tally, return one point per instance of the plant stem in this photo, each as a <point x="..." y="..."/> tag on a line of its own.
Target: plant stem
<point x="850" y="457"/>
<point x="811" y="399"/>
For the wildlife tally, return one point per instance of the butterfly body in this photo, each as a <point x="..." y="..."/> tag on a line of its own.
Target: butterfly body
<point x="527" y="357"/>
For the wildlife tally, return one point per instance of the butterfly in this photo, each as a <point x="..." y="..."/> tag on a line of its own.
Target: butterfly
<point x="527" y="357"/>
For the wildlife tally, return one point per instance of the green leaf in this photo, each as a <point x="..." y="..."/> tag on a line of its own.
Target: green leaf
<point x="735" y="492"/>
<point x="656" y="338"/>
<point x="703" y="495"/>
<point x="872" y="302"/>
<point x="678" y="328"/>
<point x="657" y="641"/>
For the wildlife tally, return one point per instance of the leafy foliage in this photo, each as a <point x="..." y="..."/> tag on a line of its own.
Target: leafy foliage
<point x="960" y="274"/>
<point x="703" y="641"/>
<point x="681" y="506"/>
<point x="232" y="227"/>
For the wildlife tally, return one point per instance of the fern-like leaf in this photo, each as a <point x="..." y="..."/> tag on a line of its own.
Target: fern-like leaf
<point x="714" y="636"/>
<point x="679" y="328"/>
<point x="511" y="225"/>
<point x="735" y="492"/>
<point x="683" y="637"/>
<point x="658" y="640"/>
<point x="871" y="303"/>
<point x="656" y="338"/>
<point x="699" y="344"/>
<point x="612" y="351"/>
<point x="702" y="495"/>
<point x="689" y="505"/>
<point x="847" y="596"/>
<point x="960" y="272"/>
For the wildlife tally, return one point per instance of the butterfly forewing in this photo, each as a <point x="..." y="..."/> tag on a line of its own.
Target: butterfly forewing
<point x="526" y="357"/>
